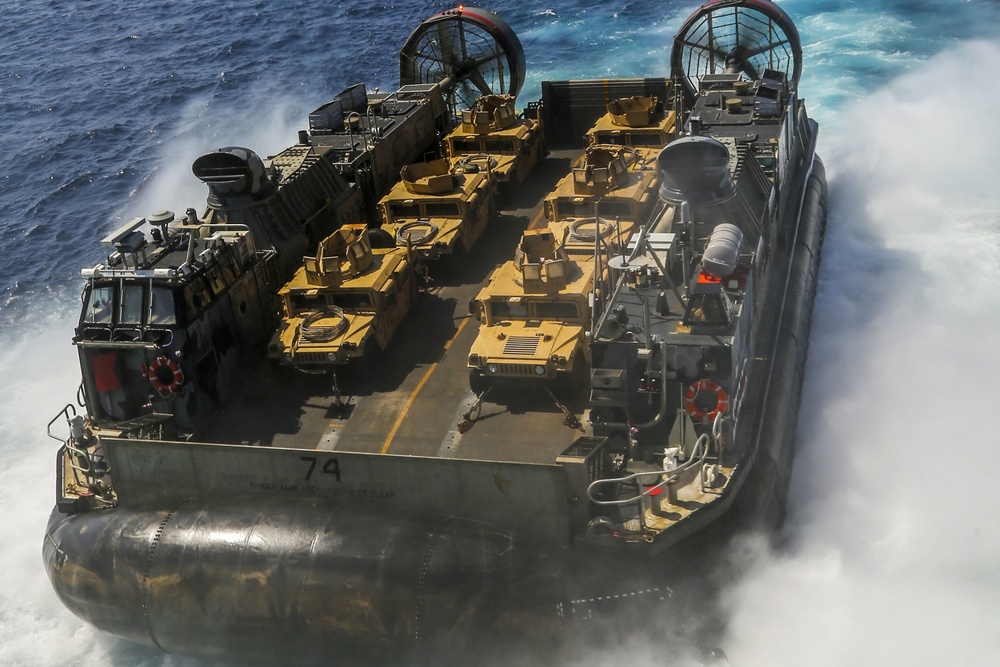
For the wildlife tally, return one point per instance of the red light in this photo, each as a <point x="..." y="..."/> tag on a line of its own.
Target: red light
<point x="707" y="278"/>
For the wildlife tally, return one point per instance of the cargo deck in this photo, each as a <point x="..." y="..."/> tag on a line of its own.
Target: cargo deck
<point x="410" y="400"/>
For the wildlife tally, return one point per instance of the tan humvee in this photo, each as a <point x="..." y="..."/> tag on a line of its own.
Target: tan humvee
<point x="602" y="197"/>
<point x="436" y="211"/>
<point x="346" y="302"/>
<point x="534" y="315"/>
<point x="491" y="134"/>
<point x="638" y="124"/>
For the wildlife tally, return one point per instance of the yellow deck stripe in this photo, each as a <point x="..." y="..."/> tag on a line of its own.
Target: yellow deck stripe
<point x="420" y="385"/>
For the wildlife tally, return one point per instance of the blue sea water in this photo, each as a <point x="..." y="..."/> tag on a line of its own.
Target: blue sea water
<point x="890" y="555"/>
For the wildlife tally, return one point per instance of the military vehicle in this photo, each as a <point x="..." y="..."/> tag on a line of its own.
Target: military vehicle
<point x="439" y="210"/>
<point x="345" y="303"/>
<point x="534" y="316"/>
<point x="600" y="197"/>
<point x="640" y="124"/>
<point x="207" y="506"/>
<point x="492" y="136"/>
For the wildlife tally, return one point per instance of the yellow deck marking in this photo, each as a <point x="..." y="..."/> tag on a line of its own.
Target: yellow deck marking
<point x="420" y="385"/>
<point x="540" y="216"/>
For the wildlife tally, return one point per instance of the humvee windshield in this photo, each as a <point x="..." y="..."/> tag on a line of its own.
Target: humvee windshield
<point x="429" y="209"/>
<point x="503" y="309"/>
<point x="608" y="208"/>
<point x="404" y="210"/>
<point x="465" y="145"/>
<point x="441" y="210"/>
<point x="631" y="138"/>
<point x="499" y="145"/>
<point x="350" y="301"/>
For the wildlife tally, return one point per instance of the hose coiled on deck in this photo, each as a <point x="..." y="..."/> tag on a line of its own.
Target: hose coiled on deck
<point x="315" y="333"/>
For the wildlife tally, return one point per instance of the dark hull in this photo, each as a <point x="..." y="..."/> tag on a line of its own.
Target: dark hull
<point x="263" y="578"/>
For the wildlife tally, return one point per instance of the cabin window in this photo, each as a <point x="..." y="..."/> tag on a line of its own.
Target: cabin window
<point x="499" y="310"/>
<point x="351" y="300"/>
<point x="646" y="139"/>
<point x="442" y="210"/>
<point x="100" y="303"/>
<point x="616" y="209"/>
<point x="556" y="310"/>
<point x="397" y="211"/>
<point x="616" y="138"/>
<point x="460" y="146"/>
<point x="508" y="309"/>
<point x="570" y="209"/>
<point x="161" y="306"/>
<point x="499" y="145"/>
<point x="131" y="304"/>
<point x="302" y="302"/>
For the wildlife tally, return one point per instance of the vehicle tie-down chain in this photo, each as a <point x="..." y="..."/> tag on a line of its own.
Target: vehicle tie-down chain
<point x="571" y="419"/>
<point x="474" y="412"/>
<point x="338" y="400"/>
<point x="470" y="417"/>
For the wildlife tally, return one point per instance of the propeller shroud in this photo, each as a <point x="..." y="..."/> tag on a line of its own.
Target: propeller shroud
<point x="470" y="51"/>
<point x="736" y="36"/>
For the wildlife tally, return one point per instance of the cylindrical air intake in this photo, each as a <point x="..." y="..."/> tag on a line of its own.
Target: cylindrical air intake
<point x="695" y="170"/>
<point x="235" y="176"/>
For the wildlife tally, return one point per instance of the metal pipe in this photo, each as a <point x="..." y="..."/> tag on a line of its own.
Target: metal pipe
<point x="701" y="445"/>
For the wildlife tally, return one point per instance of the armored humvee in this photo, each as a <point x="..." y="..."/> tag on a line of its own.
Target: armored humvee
<point x="492" y="133"/>
<point x="437" y="210"/>
<point x="345" y="303"/>
<point x="640" y="124"/>
<point x="534" y="316"/>
<point x="601" y="197"/>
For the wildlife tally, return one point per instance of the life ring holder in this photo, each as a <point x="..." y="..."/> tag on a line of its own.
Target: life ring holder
<point x="165" y="374"/>
<point x="698" y="413"/>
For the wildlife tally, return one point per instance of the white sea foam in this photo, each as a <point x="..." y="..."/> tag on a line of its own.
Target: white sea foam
<point x="892" y="545"/>
<point x="257" y="123"/>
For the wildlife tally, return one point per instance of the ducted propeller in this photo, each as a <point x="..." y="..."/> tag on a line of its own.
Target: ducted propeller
<point x="737" y="37"/>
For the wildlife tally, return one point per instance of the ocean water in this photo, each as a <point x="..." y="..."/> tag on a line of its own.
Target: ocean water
<point x="891" y="551"/>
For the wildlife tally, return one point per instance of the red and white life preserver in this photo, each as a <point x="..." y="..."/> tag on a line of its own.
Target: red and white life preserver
<point x="698" y="413"/>
<point x="165" y="374"/>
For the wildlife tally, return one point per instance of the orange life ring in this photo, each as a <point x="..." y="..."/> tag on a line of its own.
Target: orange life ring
<point x="166" y="375"/>
<point x="699" y="414"/>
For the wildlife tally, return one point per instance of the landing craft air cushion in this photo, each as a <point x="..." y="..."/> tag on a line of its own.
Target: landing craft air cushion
<point x="209" y="504"/>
